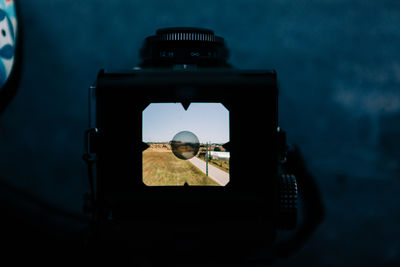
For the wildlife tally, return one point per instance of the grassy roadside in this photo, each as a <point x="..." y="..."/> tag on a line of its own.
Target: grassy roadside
<point x="220" y="164"/>
<point x="163" y="168"/>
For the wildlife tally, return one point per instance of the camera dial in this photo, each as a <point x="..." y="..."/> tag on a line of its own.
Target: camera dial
<point x="184" y="48"/>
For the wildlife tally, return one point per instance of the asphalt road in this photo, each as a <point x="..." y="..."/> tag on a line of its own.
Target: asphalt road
<point x="214" y="173"/>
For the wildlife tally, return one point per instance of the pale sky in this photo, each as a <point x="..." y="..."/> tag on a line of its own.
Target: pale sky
<point x="208" y="121"/>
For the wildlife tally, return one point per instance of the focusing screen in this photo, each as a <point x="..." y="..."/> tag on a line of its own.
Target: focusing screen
<point x="185" y="146"/>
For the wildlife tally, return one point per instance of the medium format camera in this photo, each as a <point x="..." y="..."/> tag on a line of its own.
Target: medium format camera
<point x="185" y="153"/>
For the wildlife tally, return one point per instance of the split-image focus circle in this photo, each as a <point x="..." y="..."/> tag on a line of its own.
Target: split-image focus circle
<point x="185" y="145"/>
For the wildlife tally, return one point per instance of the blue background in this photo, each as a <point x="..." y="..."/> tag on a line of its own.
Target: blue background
<point x="338" y="64"/>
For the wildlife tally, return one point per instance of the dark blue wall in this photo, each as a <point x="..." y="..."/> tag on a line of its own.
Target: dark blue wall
<point x="338" y="64"/>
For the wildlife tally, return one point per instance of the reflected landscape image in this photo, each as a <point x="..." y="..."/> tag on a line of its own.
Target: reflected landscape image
<point x="185" y="146"/>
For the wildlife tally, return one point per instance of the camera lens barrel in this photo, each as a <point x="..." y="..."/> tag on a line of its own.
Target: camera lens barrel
<point x="189" y="46"/>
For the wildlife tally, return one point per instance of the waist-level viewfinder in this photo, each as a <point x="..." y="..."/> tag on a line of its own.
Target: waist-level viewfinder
<point x="186" y="147"/>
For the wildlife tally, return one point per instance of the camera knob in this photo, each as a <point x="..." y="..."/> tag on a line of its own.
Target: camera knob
<point x="288" y="194"/>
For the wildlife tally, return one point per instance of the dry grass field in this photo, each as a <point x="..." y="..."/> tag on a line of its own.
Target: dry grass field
<point x="164" y="169"/>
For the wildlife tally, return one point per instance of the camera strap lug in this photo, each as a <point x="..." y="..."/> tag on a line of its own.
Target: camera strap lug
<point x="282" y="145"/>
<point x="91" y="143"/>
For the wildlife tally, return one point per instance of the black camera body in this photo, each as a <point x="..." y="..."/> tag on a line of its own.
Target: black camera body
<point x="188" y="65"/>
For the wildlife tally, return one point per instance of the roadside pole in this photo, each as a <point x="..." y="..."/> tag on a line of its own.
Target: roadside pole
<point x="207" y="159"/>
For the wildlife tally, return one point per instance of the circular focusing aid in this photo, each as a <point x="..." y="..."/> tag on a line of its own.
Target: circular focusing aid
<point x="185" y="145"/>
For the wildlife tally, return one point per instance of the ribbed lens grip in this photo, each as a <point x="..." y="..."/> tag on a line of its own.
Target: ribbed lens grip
<point x="186" y="34"/>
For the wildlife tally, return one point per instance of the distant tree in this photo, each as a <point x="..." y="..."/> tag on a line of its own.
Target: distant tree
<point x="217" y="148"/>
